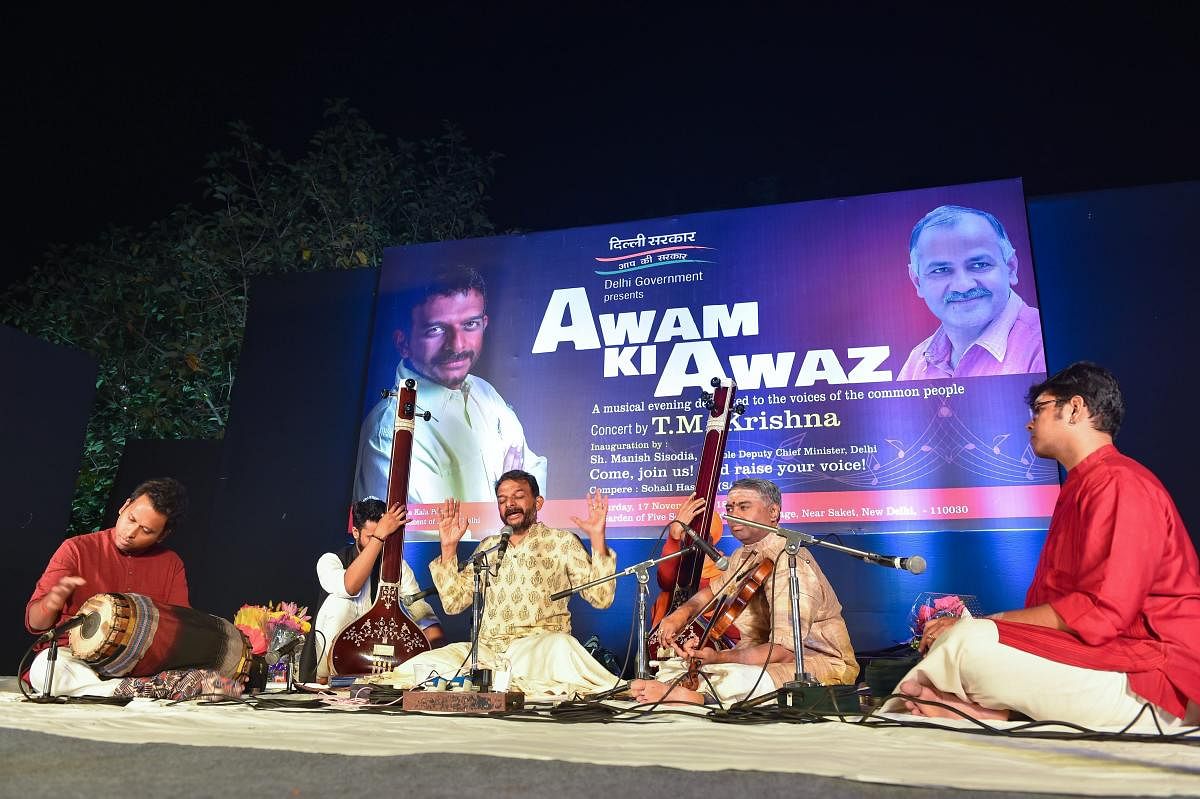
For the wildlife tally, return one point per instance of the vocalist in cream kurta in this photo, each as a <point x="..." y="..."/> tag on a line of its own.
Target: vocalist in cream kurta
<point x="522" y="631"/>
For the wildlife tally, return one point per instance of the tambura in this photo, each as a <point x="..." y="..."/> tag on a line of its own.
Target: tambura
<point x="134" y="636"/>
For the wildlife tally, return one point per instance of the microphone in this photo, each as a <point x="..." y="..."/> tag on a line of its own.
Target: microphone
<point x="71" y="624"/>
<point x="914" y="564"/>
<point x="411" y="598"/>
<point x="708" y="549"/>
<point x="505" y="534"/>
<point x="481" y="556"/>
<point x="273" y="656"/>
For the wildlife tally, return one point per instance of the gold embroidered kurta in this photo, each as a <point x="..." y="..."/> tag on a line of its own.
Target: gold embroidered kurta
<point x="517" y="603"/>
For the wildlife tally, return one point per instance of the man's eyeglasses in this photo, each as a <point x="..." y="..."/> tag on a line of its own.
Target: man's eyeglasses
<point x="1036" y="408"/>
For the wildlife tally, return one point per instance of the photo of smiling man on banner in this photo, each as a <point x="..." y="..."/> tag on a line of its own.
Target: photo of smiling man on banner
<point x="964" y="266"/>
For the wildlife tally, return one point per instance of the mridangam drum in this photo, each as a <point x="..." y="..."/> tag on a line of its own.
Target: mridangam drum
<point x="134" y="636"/>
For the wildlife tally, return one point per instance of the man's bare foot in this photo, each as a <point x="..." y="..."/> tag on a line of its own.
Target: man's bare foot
<point x="917" y="690"/>
<point x="649" y="692"/>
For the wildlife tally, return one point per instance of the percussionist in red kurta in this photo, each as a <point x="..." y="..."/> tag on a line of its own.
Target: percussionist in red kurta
<point x="126" y="558"/>
<point x="1112" y="618"/>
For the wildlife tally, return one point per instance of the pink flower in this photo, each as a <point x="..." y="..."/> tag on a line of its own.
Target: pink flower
<point x="950" y="603"/>
<point x="295" y="611"/>
<point x="945" y="605"/>
<point x="287" y="622"/>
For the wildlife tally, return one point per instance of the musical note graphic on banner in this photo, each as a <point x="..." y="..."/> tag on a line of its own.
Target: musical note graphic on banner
<point x="944" y="442"/>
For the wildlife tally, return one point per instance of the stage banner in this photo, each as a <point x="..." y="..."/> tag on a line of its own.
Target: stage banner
<point x="882" y="346"/>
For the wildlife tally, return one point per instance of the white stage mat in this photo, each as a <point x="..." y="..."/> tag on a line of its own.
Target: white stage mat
<point x="895" y="755"/>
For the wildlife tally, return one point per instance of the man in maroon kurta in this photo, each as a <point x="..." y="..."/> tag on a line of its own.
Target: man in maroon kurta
<point x="1112" y="618"/>
<point x="126" y="558"/>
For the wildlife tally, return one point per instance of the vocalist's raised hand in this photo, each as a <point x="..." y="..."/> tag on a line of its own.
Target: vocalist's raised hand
<point x="452" y="526"/>
<point x="597" y="519"/>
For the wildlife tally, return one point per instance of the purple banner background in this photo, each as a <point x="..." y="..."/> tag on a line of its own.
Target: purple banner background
<point x="826" y="275"/>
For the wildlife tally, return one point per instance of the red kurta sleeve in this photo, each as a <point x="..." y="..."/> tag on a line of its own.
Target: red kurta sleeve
<point x="667" y="571"/>
<point x="64" y="563"/>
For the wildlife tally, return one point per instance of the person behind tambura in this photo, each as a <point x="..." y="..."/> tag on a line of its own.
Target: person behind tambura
<point x="128" y="557"/>
<point x="667" y="572"/>
<point x="763" y="658"/>
<point x="347" y="578"/>
<point x="522" y="631"/>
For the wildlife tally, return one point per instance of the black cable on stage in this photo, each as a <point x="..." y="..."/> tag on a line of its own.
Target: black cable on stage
<point x="1037" y="728"/>
<point x="751" y="712"/>
<point x="26" y="660"/>
<point x="324" y="644"/>
<point x="754" y="712"/>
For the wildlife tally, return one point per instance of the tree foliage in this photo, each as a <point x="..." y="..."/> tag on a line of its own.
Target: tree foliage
<point x="163" y="309"/>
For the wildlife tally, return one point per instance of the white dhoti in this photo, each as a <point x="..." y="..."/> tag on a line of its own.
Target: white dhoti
<point x="550" y="664"/>
<point x="727" y="682"/>
<point x="969" y="661"/>
<point x="72" y="676"/>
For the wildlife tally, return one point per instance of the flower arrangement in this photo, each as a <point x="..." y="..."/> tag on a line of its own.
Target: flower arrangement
<point x="272" y="625"/>
<point x="931" y="605"/>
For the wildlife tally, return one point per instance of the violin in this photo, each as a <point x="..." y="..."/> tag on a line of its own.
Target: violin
<point x="726" y="613"/>
<point x="386" y="636"/>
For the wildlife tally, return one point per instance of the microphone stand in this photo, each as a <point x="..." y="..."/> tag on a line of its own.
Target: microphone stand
<point x="479" y="563"/>
<point x="796" y="539"/>
<point x="51" y="636"/>
<point x="642" y="570"/>
<point x="51" y="659"/>
<point x="290" y="680"/>
<point x="802" y="677"/>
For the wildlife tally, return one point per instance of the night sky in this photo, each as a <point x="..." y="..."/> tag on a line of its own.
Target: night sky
<point x="616" y="114"/>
